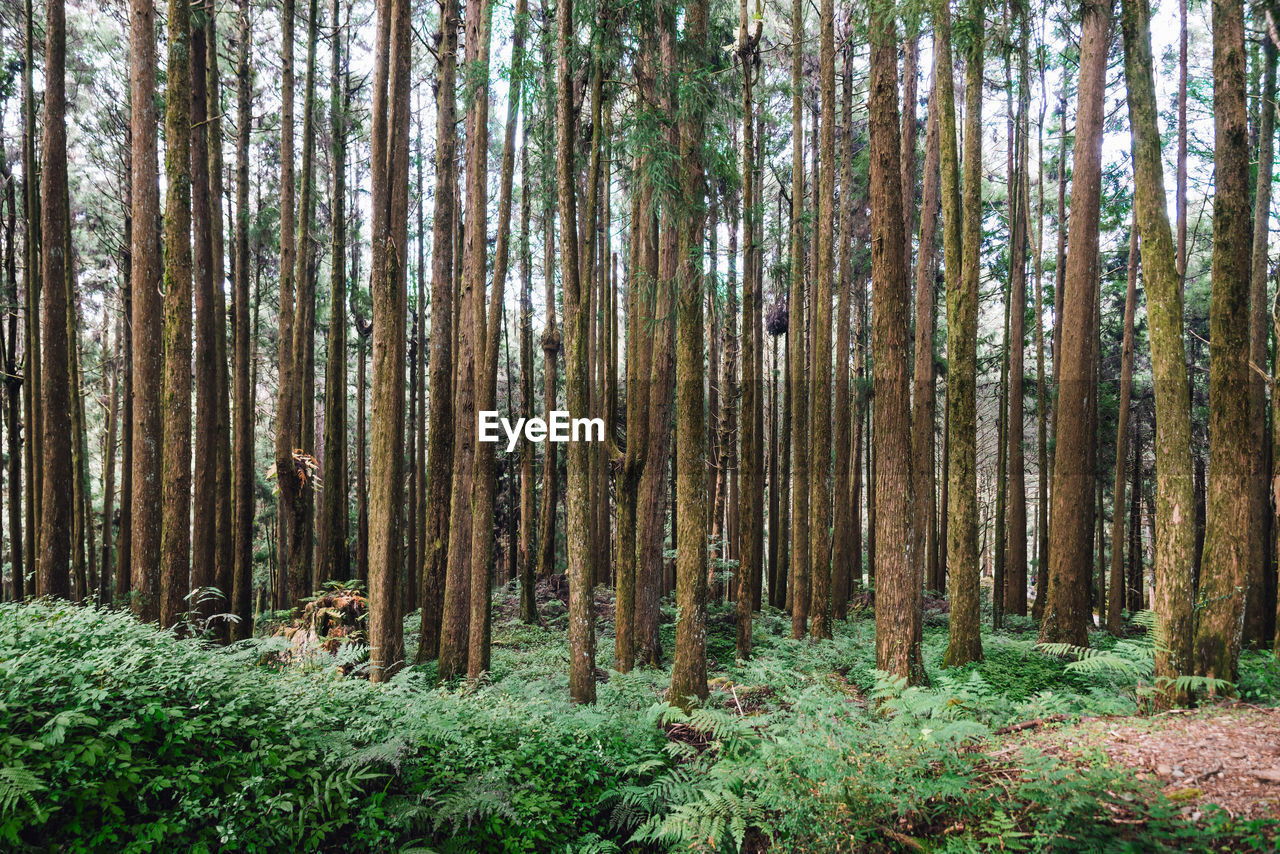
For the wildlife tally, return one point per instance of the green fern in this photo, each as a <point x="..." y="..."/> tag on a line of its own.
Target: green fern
<point x="18" y="784"/>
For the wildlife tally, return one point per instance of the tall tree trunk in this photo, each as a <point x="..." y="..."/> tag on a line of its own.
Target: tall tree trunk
<point x="32" y="381"/>
<point x="1115" y="601"/>
<point x="287" y="428"/>
<point x="1224" y="571"/>
<point x="845" y="562"/>
<point x="484" y="495"/>
<point x="923" y="379"/>
<point x="175" y="537"/>
<point x="1066" y="612"/>
<point x="302" y="545"/>
<point x="332" y="552"/>
<point x="1258" y="609"/>
<point x="224" y="546"/>
<point x="820" y="368"/>
<point x="390" y="174"/>
<point x="582" y="646"/>
<point x="242" y="585"/>
<point x="1042" y="380"/>
<point x="963" y="267"/>
<point x="205" y="480"/>
<point x="689" y="669"/>
<point x="897" y="588"/>
<point x="440" y="448"/>
<point x="13" y="391"/>
<point x="457" y="627"/>
<point x="528" y="487"/>
<point x="1175" y="523"/>
<point x="1015" y="589"/>
<point x="53" y="576"/>
<point x="796" y="344"/>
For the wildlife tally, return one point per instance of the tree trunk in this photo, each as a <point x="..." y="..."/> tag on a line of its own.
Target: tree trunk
<point x="1224" y="571"/>
<point x="820" y="368"/>
<point x="844" y="560"/>
<point x="923" y="379"/>
<point x="440" y="447"/>
<point x="390" y="206"/>
<point x="175" y="538"/>
<point x="897" y="589"/>
<point x="32" y="381"/>
<point x="332" y="560"/>
<point x="1258" y="609"/>
<point x="962" y="245"/>
<point x="205" y="480"/>
<point x="1175" y="526"/>
<point x="287" y="428"/>
<point x="1115" y="602"/>
<point x="53" y="576"/>
<point x="302" y="545"/>
<point x="582" y="683"/>
<point x="796" y="344"/>
<point x="1066" y="612"/>
<point x="689" y="669"/>
<point x="242" y="585"/>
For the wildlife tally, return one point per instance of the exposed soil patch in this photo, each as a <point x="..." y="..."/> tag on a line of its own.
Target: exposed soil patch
<point x="1228" y="755"/>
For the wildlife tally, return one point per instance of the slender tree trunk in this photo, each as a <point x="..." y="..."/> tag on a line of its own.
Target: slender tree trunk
<point x="53" y="576"/>
<point x="923" y="379"/>
<point x="175" y="539"/>
<point x="1224" y="571"/>
<point x="797" y="341"/>
<point x="13" y="389"/>
<point x="1015" y="590"/>
<point x="1258" y="609"/>
<point x="844" y="561"/>
<point x="1115" y="602"/>
<point x="582" y="684"/>
<point x="390" y="174"/>
<point x="302" y="544"/>
<point x="689" y="669"/>
<point x="333" y="559"/>
<point x="242" y="585"/>
<point x="483" y="496"/>
<point x="440" y="447"/>
<point x="32" y="380"/>
<point x="897" y="588"/>
<point x="528" y="487"/>
<point x="1175" y="524"/>
<point x="820" y="368"/>
<point x="287" y="427"/>
<point x="205" y="480"/>
<point x="963" y="268"/>
<point x="1066" y="611"/>
<point x="224" y="545"/>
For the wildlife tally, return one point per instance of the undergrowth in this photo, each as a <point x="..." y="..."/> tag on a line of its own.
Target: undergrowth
<point x="116" y="736"/>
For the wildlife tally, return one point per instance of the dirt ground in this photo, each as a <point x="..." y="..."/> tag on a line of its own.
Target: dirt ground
<point x="1228" y="755"/>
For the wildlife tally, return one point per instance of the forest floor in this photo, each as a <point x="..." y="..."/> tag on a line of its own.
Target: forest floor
<point x="121" y="737"/>
<point x="1226" y="755"/>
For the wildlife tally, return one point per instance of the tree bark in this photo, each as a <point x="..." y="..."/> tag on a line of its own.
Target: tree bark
<point x="1258" y="609"/>
<point x="390" y="173"/>
<point x="440" y="448"/>
<point x="175" y="538"/>
<point x="332" y="560"/>
<point x="1224" y="570"/>
<point x="897" y="589"/>
<point x="963" y="268"/>
<point x="53" y="576"/>
<point x="242" y="585"/>
<point x="1115" y="601"/>
<point x="796" y="341"/>
<point x="1066" y="612"/>
<point x="1175" y="513"/>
